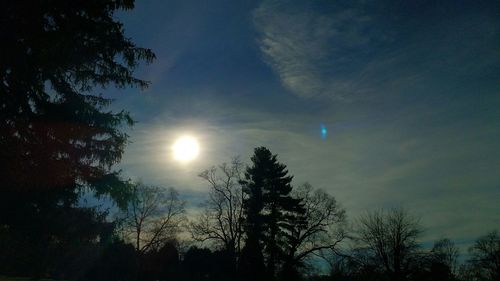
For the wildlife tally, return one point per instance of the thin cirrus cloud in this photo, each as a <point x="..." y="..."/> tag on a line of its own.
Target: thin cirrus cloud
<point x="362" y="50"/>
<point x="308" y="49"/>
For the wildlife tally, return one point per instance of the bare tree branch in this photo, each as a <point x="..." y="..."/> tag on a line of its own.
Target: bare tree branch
<point x="321" y="227"/>
<point x="153" y="216"/>
<point x="389" y="239"/>
<point x="221" y="220"/>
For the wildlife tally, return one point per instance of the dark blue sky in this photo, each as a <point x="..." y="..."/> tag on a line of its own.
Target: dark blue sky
<point x="408" y="90"/>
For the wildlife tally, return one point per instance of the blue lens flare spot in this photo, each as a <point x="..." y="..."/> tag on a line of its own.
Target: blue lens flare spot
<point x="324" y="131"/>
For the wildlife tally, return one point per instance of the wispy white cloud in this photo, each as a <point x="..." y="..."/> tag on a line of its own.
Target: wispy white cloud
<point x="354" y="52"/>
<point x="303" y="45"/>
<point x="293" y="46"/>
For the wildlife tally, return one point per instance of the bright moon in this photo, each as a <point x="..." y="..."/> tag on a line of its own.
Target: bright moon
<point x="185" y="149"/>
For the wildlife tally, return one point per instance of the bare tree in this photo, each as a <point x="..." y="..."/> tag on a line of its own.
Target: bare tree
<point x="484" y="263"/>
<point x="390" y="239"/>
<point x="445" y="252"/>
<point x="221" y="220"/>
<point x="320" y="229"/>
<point x="153" y="216"/>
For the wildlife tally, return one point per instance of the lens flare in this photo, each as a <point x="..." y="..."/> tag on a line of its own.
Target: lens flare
<point x="324" y="131"/>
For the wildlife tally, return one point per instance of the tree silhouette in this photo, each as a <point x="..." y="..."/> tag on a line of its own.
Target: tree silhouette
<point x="153" y="217"/>
<point x="161" y="264"/>
<point x="320" y="228"/>
<point x="116" y="262"/>
<point x="47" y="239"/>
<point x="484" y="263"/>
<point x="445" y="252"/>
<point x="269" y="205"/>
<point x="54" y="56"/>
<point x="221" y="220"/>
<point x="251" y="264"/>
<point x="389" y="239"/>
<point x="57" y="137"/>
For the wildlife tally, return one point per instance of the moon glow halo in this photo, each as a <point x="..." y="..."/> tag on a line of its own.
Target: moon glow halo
<point x="186" y="149"/>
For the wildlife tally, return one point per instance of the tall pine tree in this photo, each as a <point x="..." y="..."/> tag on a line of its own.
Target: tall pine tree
<point x="251" y="263"/>
<point x="58" y="137"/>
<point x="270" y="207"/>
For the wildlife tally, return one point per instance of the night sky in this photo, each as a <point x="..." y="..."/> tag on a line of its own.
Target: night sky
<point x="381" y="103"/>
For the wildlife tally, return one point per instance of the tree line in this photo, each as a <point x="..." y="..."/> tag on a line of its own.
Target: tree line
<point x="249" y="233"/>
<point x="253" y="225"/>
<point x="59" y="140"/>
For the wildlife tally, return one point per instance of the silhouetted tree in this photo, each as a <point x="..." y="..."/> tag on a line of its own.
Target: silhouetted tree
<point x="53" y="127"/>
<point x="269" y="204"/>
<point x="57" y="137"/>
<point x="251" y="264"/>
<point x="341" y="269"/>
<point x="153" y="217"/>
<point x="484" y="263"/>
<point x="436" y="265"/>
<point x="434" y="270"/>
<point x="203" y="264"/>
<point x="221" y="220"/>
<point x="197" y="264"/>
<point x="320" y="228"/>
<point x="445" y="252"/>
<point x="116" y="262"/>
<point x="49" y="239"/>
<point x="161" y="264"/>
<point x="390" y="240"/>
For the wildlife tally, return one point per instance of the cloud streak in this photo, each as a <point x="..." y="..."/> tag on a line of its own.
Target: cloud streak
<point x="306" y="48"/>
<point x="361" y="51"/>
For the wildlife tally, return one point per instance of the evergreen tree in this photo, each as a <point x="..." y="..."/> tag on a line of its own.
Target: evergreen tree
<point x="251" y="263"/>
<point x="53" y="126"/>
<point x="270" y="207"/>
<point x="57" y="136"/>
